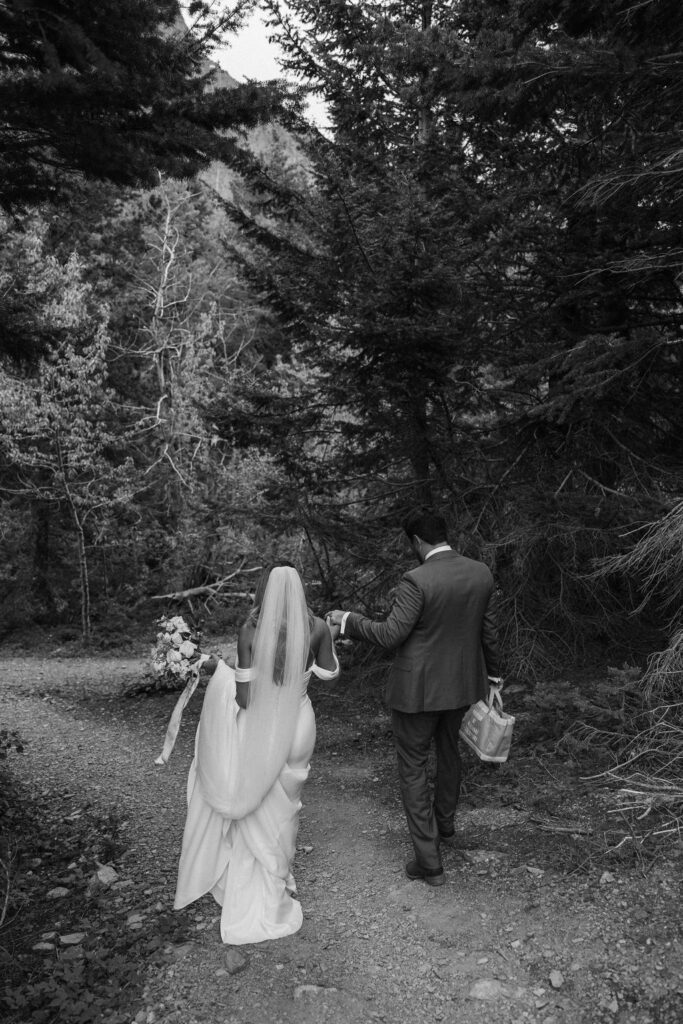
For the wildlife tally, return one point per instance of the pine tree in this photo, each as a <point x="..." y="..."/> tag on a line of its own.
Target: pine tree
<point x="388" y="284"/>
<point x="491" y="283"/>
<point x="117" y="90"/>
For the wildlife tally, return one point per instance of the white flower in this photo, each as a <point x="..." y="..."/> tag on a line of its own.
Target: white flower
<point x="176" y="649"/>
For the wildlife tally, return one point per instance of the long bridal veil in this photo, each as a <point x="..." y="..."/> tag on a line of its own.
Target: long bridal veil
<point x="237" y="768"/>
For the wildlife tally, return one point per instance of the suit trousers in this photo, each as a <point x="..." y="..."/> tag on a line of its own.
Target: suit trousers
<point x="413" y="735"/>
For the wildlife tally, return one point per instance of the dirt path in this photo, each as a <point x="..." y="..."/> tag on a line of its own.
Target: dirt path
<point x="510" y="937"/>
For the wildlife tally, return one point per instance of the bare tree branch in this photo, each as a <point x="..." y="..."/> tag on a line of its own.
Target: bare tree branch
<point x="209" y="590"/>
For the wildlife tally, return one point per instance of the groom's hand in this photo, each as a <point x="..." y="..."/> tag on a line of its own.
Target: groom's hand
<point x="334" y="630"/>
<point x="334" y="620"/>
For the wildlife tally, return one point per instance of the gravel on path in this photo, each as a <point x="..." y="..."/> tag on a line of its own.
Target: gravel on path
<point x="509" y="937"/>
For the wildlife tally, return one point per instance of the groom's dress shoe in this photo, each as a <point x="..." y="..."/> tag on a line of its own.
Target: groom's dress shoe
<point x="432" y="876"/>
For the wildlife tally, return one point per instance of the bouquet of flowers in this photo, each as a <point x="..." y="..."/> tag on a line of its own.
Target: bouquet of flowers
<point x="176" y="653"/>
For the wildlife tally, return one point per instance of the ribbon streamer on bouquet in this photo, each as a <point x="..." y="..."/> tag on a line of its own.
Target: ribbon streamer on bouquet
<point x="177" y="714"/>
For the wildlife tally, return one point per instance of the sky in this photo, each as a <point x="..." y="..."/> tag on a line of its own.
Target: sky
<point x="251" y="55"/>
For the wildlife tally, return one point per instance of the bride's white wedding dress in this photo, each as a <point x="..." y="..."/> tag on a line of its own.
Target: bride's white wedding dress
<point x="244" y="861"/>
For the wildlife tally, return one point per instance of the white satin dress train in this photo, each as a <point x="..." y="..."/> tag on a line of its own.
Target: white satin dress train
<point x="244" y="861"/>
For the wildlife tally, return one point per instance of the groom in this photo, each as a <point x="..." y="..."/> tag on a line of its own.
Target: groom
<point x="442" y="626"/>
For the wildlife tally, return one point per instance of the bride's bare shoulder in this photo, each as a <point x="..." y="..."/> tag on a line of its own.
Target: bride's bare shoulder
<point x="318" y="627"/>
<point x="320" y="637"/>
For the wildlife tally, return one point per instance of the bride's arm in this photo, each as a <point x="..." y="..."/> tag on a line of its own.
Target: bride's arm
<point x="245" y="638"/>
<point x="323" y="650"/>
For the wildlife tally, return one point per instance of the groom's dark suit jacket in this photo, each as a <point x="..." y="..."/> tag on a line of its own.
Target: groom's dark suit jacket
<point x="442" y="625"/>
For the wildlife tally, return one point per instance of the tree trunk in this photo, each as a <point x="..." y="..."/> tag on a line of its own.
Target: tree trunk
<point x="418" y="449"/>
<point x="83" y="573"/>
<point x="425" y="112"/>
<point x="41" y="591"/>
<point x="419" y="441"/>
<point x="85" y="584"/>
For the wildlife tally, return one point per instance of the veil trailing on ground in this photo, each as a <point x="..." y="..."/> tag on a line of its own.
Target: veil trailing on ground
<point x="237" y="768"/>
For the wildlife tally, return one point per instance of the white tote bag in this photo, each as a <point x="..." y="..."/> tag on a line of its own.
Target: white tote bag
<point x="488" y="729"/>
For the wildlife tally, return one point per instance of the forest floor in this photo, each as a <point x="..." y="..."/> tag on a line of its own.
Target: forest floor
<point x="540" y="920"/>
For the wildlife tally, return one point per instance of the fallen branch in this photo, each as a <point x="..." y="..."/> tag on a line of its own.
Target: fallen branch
<point x="208" y="590"/>
<point x="548" y="826"/>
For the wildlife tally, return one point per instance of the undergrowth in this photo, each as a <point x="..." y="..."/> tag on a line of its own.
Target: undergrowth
<point x="626" y="737"/>
<point x="101" y="977"/>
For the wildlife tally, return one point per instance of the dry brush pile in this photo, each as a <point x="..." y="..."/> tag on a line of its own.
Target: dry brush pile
<point x="646" y="739"/>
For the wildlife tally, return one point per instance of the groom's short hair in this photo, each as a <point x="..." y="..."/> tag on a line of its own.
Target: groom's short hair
<point x="427" y="524"/>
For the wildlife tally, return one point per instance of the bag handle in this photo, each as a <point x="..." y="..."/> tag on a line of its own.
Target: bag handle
<point x="494" y="695"/>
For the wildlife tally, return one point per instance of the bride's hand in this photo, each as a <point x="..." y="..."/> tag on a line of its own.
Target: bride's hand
<point x="334" y="628"/>
<point x="209" y="666"/>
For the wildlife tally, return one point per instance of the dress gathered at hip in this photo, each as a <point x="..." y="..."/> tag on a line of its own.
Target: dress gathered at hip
<point x="243" y="855"/>
<point x="250" y="765"/>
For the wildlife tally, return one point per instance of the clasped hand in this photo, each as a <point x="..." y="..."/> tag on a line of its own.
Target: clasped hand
<point x="334" y="621"/>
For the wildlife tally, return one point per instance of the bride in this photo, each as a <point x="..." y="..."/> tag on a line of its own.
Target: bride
<point x="254" y="742"/>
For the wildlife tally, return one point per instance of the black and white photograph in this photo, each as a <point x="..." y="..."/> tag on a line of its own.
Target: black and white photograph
<point x="341" y="511"/>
